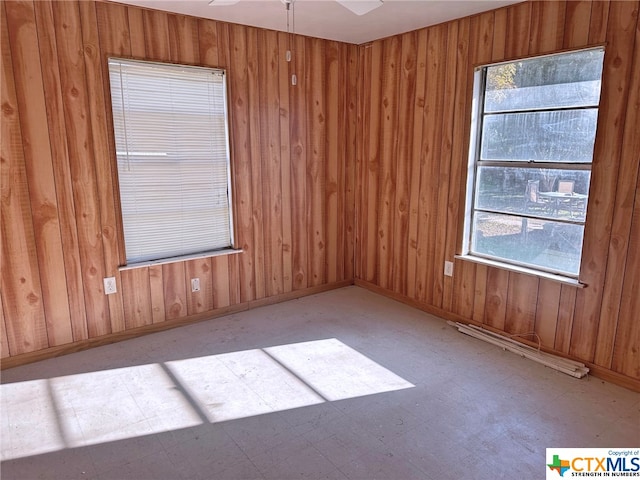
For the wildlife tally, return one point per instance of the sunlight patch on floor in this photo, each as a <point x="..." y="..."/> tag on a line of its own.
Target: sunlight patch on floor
<point x="46" y="415"/>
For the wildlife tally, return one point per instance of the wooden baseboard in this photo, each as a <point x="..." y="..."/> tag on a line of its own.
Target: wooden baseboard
<point x="595" y="370"/>
<point x="31" y="357"/>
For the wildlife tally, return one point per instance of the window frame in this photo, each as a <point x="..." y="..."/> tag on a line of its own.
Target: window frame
<point x="232" y="248"/>
<point x="475" y="162"/>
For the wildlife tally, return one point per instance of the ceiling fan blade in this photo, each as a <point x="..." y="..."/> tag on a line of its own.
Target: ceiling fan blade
<point x="360" y="7"/>
<point x="221" y="3"/>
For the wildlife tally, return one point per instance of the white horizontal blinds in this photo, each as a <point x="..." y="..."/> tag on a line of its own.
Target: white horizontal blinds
<point x="173" y="163"/>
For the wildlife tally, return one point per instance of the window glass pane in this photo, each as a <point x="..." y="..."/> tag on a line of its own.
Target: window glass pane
<point x="536" y="243"/>
<point x="557" y="136"/>
<point x="568" y="80"/>
<point x="542" y="192"/>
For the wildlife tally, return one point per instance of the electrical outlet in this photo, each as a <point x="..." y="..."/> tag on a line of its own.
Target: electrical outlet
<point x="109" y="285"/>
<point x="448" y="269"/>
<point x="195" y="284"/>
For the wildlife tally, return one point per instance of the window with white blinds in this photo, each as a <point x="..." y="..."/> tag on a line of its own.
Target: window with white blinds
<point x="171" y="133"/>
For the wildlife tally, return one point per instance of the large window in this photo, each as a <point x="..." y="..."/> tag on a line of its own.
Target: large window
<point x="533" y="133"/>
<point x="171" y="133"/>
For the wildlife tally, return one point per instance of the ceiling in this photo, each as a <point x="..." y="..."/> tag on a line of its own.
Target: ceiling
<point x="329" y="19"/>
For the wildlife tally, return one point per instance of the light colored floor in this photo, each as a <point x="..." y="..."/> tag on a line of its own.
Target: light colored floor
<point x="341" y="385"/>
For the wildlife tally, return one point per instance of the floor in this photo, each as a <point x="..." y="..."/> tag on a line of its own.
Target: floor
<point x="341" y="385"/>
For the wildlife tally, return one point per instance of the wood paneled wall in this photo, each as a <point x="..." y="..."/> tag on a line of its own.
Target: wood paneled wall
<point x="413" y="142"/>
<point x="357" y="172"/>
<point x="293" y="161"/>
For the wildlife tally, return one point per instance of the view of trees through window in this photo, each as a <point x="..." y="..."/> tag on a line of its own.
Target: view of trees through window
<point x="533" y="148"/>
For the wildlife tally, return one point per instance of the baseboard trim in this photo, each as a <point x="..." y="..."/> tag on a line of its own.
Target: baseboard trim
<point x="595" y="370"/>
<point x="57" y="351"/>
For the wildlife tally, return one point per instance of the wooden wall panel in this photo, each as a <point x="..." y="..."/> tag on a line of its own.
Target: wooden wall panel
<point x="585" y="323"/>
<point x="315" y="93"/>
<point x="61" y="169"/>
<point x="105" y="169"/>
<point x="402" y="164"/>
<point x="298" y="158"/>
<point x="38" y="164"/>
<point x="626" y="354"/>
<point x="286" y="206"/>
<point x="619" y="246"/>
<point x="22" y="304"/>
<point x="333" y="207"/>
<point x="293" y="162"/>
<point x="623" y="19"/>
<point x="359" y="170"/>
<point x="415" y="166"/>
<point x="75" y="99"/>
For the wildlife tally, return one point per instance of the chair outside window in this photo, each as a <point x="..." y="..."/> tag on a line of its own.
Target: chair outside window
<point x="532" y="196"/>
<point x="565" y="186"/>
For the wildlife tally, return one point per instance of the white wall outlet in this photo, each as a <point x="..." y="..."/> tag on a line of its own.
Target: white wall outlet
<point x="195" y="284"/>
<point x="109" y="285"/>
<point x="448" y="269"/>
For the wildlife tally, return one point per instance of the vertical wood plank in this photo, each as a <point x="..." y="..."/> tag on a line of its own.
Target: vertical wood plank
<point x="521" y="303"/>
<point x="372" y="162"/>
<point x="221" y="284"/>
<point x="62" y="174"/>
<point x="156" y="291"/>
<point x="137" y="297"/>
<point x="316" y="151"/>
<point x="332" y="160"/>
<point x="257" y="220"/>
<point x="518" y="28"/>
<point x="566" y="313"/>
<point x="29" y="93"/>
<point x="496" y="298"/>
<point x="241" y="167"/>
<point x="464" y="293"/>
<point x="350" y="160"/>
<point x="416" y="164"/>
<point x="285" y="164"/>
<point x="75" y="96"/>
<point x="364" y="109"/>
<point x="547" y="308"/>
<point x="577" y="18"/>
<point x="156" y="35"/>
<point x="105" y="167"/>
<point x="599" y="21"/>
<point x="271" y="186"/>
<point x="480" y="294"/>
<point x="175" y="291"/>
<point x="113" y="28"/>
<point x="440" y="168"/>
<point x="21" y="289"/>
<point x="201" y="301"/>
<point x="400" y="229"/>
<point x="459" y="160"/>
<point x="391" y="67"/>
<point x="136" y="32"/>
<point x="547" y="25"/>
<point x="446" y="154"/>
<point x="208" y="42"/>
<point x="4" y="341"/>
<point x="183" y="39"/>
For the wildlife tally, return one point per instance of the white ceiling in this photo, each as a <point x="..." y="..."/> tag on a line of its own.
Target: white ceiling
<point x="327" y="18"/>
